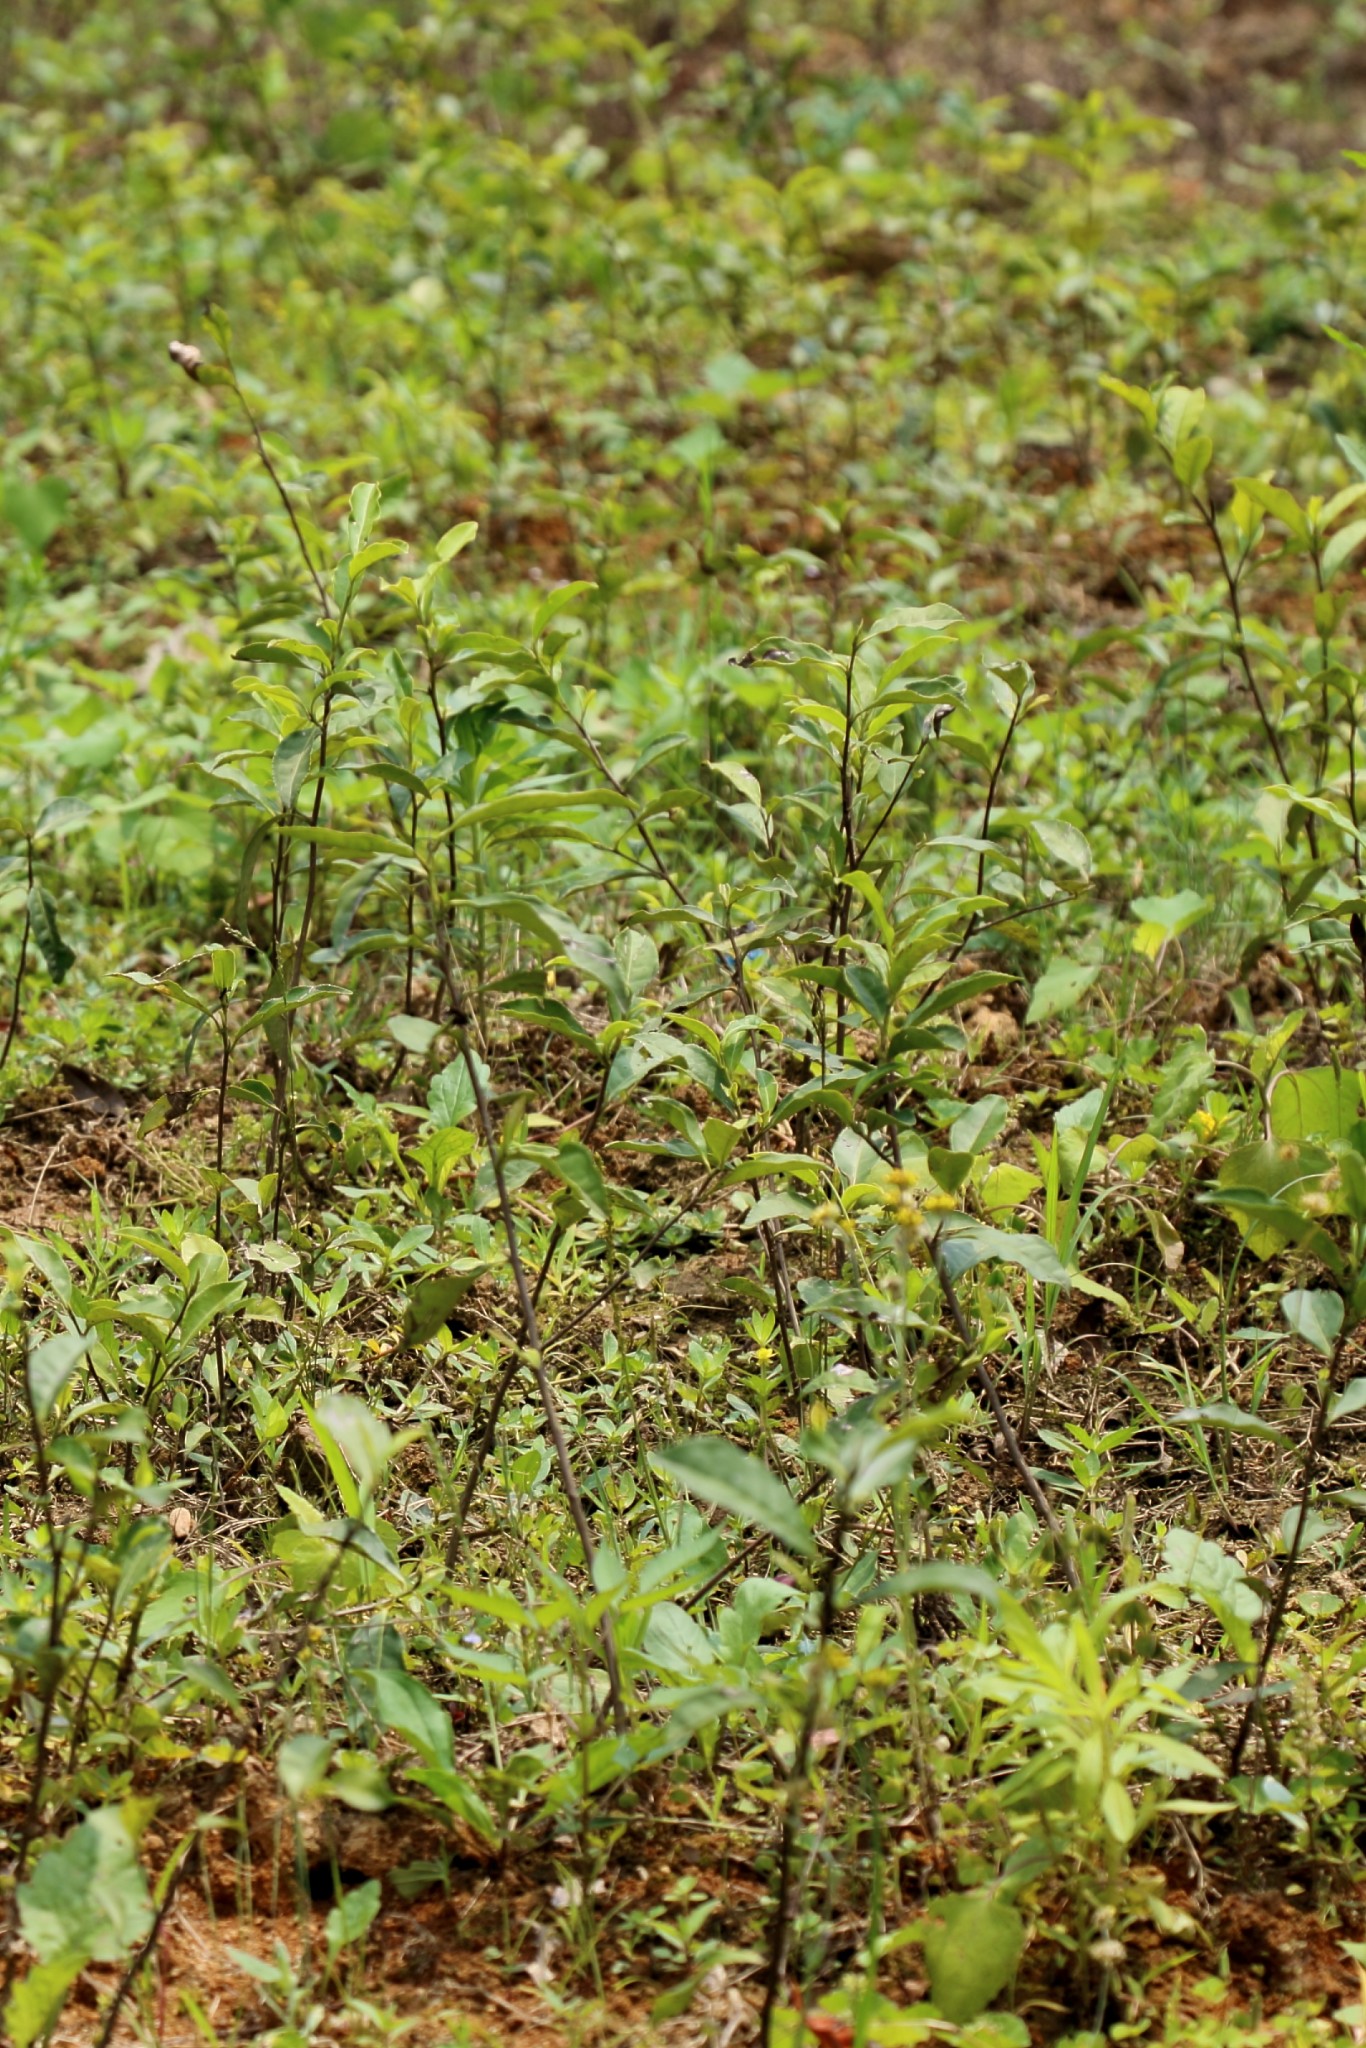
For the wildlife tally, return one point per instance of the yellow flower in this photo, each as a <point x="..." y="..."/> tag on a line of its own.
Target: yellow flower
<point x="1204" y="1125"/>
<point x="940" y="1205"/>
<point x="908" y="1217"/>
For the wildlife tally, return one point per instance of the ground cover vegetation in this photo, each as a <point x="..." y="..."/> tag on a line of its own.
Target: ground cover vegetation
<point x="682" y="1091"/>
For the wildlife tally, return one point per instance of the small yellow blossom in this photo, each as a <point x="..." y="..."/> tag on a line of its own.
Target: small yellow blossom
<point x="908" y="1217"/>
<point x="940" y="1205"/>
<point x="1204" y="1125"/>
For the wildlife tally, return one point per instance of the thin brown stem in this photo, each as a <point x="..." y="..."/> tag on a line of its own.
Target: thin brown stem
<point x="780" y="1933"/>
<point x="532" y="1355"/>
<point x="282" y="494"/>
<point x="997" y="767"/>
<point x="986" y="1381"/>
<point x="1313" y="1455"/>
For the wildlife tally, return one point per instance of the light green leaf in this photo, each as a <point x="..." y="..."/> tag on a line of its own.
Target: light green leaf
<point x="578" y="1169"/>
<point x="50" y="1366"/>
<point x="351" y="1917"/>
<point x="405" y="1708"/>
<point x="414" y="1034"/>
<point x="36" y="2002"/>
<point x="715" y="1470"/>
<point x="1314" y="1313"/>
<point x="455" y="540"/>
<point x="1163" y="918"/>
<point x="302" y="1764"/>
<point x="1059" y="989"/>
<point x="1062" y="842"/>
<point x="1209" y="1573"/>
<point x="87" y="1896"/>
<point x="971" y="1949"/>
<point x="967" y="1244"/>
<point x="57" y="955"/>
<point x="290" y="764"/>
<point x="459" y="1797"/>
<point x="1227" y="1415"/>
<point x="1343" y="544"/>
<point x="1316" y="1102"/>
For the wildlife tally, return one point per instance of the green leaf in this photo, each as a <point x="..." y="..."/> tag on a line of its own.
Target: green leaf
<point x="88" y="1895"/>
<point x="1257" y="1184"/>
<point x="351" y="1917"/>
<point x="1062" y="842"/>
<point x="42" y="914"/>
<point x="1314" y="1313"/>
<point x="302" y="1763"/>
<point x="965" y="1245"/>
<point x="405" y="1708"/>
<point x="1117" y="1811"/>
<point x="715" y="1470"/>
<point x="455" y="540"/>
<point x="971" y="1949"/>
<point x="36" y="2002"/>
<point x="1059" y="989"/>
<point x="1278" y="503"/>
<point x="364" y="1439"/>
<point x="451" y="1097"/>
<point x="429" y="1305"/>
<point x="1317" y="1102"/>
<point x="950" y="1169"/>
<point x="459" y="1797"/>
<point x="1341" y="547"/>
<point x="356" y="841"/>
<point x="974" y="1128"/>
<point x="1210" y="1573"/>
<point x="60" y="816"/>
<point x="1163" y="918"/>
<point x="1227" y="1415"/>
<point x="967" y="1581"/>
<point x="34" y="510"/>
<point x="1133" y="395"/>
<point x="557" y="602"/>
<point x="50" y="1366"/>
<point x="1350" y="1401"/>
<point x="290" y="763"/>
<point x="414" y="1034"/>
<point x="1187" y="1075"/>
<point x="578" y="1169"/>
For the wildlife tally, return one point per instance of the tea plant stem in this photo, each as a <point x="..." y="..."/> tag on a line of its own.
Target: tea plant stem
<point x="1232" y="578"/>
<point x="535" y="1359"/>
<point x="780" y="1932"/>
<point x="533" y="1355"/>
<point x="789" y="1329"/>
<point x="982" y="1373"/>
<point x="59" y="1604"/>
<point x="281" y="493"/>
<point x="657" y="860"/>
<point x="17" y="992"/>
<point x="311" y="887"/>
<point x="137" y="1962"/>
<point x="480" y="1457"/>
<point x="997" y="767"/>
<point x="1318" y="1438"/>
<point x="893" y="800"/>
